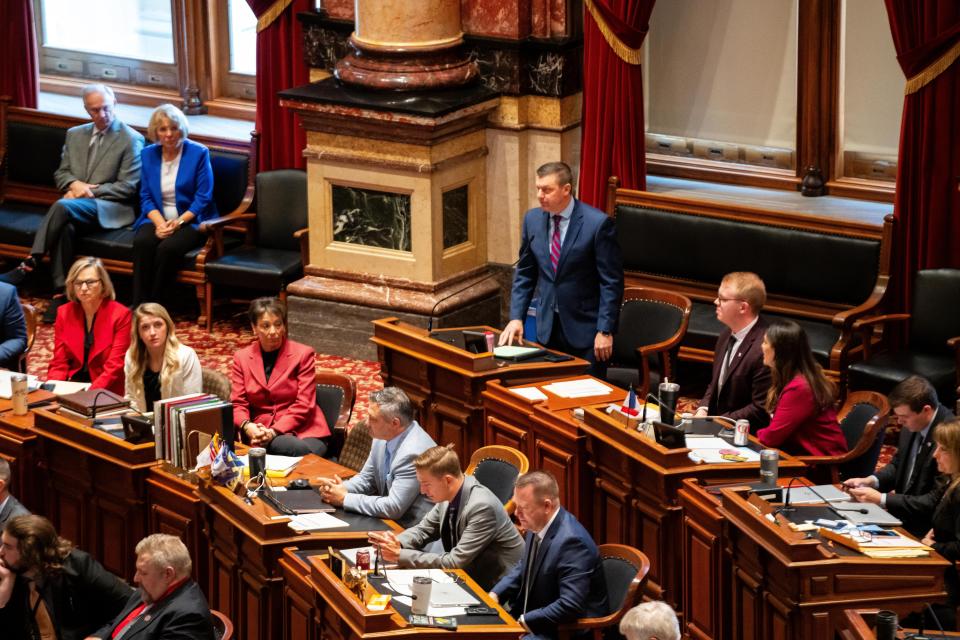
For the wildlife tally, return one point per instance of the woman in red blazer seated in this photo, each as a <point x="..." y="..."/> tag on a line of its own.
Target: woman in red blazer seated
<point x="274" y="387"/>
<point x="803" y="420"/>
<point x="92" y="331"/>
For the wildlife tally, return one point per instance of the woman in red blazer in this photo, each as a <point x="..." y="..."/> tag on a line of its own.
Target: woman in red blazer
<point x="274" y="387"/>
<point x="92" y="331"/>
<point x="800" y="399"/>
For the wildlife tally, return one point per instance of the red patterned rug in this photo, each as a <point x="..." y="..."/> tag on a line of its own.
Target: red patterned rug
<point x="215" y="350"/>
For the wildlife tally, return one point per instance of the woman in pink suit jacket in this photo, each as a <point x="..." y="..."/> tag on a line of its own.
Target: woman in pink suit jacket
<point x="801" y="398"/>
<point x="92" y="331"/>
<point x="274" y="387"/>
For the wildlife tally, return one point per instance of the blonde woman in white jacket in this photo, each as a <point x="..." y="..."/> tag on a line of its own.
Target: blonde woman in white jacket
<point x="157" y="365"/>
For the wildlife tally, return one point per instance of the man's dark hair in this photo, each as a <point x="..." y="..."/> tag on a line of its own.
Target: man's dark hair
<point x="916" y="392"/>
<point x="559" y="169"/>
<point x="41" y="549"/>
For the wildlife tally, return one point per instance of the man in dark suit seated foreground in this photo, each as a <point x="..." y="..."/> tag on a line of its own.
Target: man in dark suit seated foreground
<point x="570" y="257"/>
<point x="559" y="577"/>
<point x="168" y="603"/>
<point x="740" y="380"/>
<point x="904" y="484"/>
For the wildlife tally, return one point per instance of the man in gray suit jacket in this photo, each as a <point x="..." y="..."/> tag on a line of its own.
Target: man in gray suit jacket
<point x="99" y="176"/>
<point x="387" y="485"/>
<point x="470" y="522"/>
<point x="10" y="507"/>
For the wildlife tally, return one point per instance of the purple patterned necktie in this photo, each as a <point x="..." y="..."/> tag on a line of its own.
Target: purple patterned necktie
<point x="555" y="243"/>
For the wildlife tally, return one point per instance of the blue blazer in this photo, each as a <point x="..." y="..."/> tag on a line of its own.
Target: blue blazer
<point x="194" y="186"/>
<point x="568" y="580"/>
<point x="586" y="292"/>
<point x="13" y="327"/>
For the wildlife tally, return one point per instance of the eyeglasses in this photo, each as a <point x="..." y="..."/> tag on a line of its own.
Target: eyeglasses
<point x="80" y="284"/>
<point x="721" y="299"/>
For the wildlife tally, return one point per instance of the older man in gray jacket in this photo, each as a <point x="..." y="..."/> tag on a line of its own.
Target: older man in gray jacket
<point x="387" y="485"/>
<point x="99" y="176"/>
<point x="469" y="521"/>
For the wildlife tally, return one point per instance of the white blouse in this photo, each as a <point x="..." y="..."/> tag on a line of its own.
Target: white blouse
<point x="168" y="186"/>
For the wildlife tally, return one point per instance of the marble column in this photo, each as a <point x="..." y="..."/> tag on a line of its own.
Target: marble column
<point x="407" y="45"/>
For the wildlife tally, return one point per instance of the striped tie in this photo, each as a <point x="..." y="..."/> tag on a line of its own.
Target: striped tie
<point x="555" y="243"/>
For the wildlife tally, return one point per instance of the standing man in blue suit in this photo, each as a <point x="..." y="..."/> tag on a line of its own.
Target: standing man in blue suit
<point x="387" y="486"/>
<point x="13" y="327"/>
<point x="559" y="577"/>
<point x="569" y="255"/>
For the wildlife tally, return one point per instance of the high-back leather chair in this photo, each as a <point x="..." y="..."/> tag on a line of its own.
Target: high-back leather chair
<point x="336" y="395"/>
<point x="271" y="257"/>
<point x="933" y="349"/>
<point x="863" y="419"/>
<point x="625" y="575"/>
<point x="497" y="468"/>
<point x="215" y="383"/>
<point x="652" y="325"/>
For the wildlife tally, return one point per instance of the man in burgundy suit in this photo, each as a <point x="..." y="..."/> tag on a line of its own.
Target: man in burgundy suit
<point x="740" y="380"/>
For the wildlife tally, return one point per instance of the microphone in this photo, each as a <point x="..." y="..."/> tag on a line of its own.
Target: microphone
<point x="433" y="311"/>
<point x="786" y="508"/>
<point x="93" y="414"/>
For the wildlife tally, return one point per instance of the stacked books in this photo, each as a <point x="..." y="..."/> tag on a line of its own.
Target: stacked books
<point x="175" y="418"/>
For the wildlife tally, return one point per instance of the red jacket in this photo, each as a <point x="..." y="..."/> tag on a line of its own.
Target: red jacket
<point x="798" y="429"/>
<point x="288" y="403"/>
<point x="111" y="338"/>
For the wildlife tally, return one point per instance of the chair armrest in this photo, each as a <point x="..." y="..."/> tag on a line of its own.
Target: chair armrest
<point x="222" y="221"/>
<point x="872" y="320"/>
<point x="213" y="248"/>
<point x="303" y="235"/>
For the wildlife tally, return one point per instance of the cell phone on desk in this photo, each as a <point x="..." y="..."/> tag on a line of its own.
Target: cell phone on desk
<point x="432" y="621"/>
<point x="556" y="357"/>
<point x="481" y="611"/>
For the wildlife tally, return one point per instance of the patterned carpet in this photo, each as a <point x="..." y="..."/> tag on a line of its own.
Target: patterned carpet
<point x="215" y="350"/>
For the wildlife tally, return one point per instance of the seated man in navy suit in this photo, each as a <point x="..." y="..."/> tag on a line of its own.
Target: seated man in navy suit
<point x="559" y="577"/>
<point x="168" y="603"/>
<point x="569" y="256"/>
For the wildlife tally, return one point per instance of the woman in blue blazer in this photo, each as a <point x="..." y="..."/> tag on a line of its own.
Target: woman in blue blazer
<point x="176" y="196"/>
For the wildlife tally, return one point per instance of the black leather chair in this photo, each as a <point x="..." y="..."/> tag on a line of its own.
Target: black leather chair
<point x="863" y="418"/>
<point x="625" y="575"/>
<point x="653" y="322"/>
<point x="933" y="348"/>
<point x="271" y="256"/>
<point x="497" y="468"/>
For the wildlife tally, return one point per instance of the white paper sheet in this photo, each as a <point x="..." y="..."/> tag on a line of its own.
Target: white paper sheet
<point x="582" y="388"/>
<point x="530" y="393"/>
<point x="315" y="522"/>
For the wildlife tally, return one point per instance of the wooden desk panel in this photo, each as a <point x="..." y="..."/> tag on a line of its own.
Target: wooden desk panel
<point x="175" y="508"/>
<point x="245" y="543"/>
<point x="18" y="446"/>
<point x="94" y="488"/>
<point x="636" y="494"/>
<point x="317" y="605"/>
<point x="787" y="587"/>
<point x="445" y="383"/>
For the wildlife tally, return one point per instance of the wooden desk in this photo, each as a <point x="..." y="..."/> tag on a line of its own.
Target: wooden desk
<point x="245" y="543"/>
<point x="445" y="383"/>
<point x="858" y="624"/>
<point x="316" y="604"/>
<point x="94" y="488"/>
<point x="18" y="444"/>
<point x="548" y="434"/>
<point x="787" y="587"/>
<point x="636" y="494"/>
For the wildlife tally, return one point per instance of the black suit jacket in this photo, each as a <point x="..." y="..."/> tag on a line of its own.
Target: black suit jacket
<point x="11" y="510"/>
<point x="916" y="496"/>
<point x="183" y="615"/>
<point x="744" y="395"/>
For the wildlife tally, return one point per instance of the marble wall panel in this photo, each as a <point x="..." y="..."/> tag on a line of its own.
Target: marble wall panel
<point x="341" y="9"/>
<point x="324" y="44"/>
<point x="455" y="204"/>
<point x="498" y="18"/>
<point x="371" y="218"/>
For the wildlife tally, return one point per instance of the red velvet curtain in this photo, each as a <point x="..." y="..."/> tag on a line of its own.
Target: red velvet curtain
<point x="927" y="202"/>
<point x="612" y="124"/>
<point x="280" y="65"/>
<point x="19" y="71"/>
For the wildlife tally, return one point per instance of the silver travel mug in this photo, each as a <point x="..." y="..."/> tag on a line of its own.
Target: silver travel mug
<point x="421" y="595"/>
<point x="769" y="466"/>
<point x="18" y="388"/>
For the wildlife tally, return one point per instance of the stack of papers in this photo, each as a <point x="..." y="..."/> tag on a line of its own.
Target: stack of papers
<point x="277" y="466"/>
<point x="530" y="393"/>
<point x="578" y="388"/>
<point x="316" y="522"/>
<point x="713" y="450"/>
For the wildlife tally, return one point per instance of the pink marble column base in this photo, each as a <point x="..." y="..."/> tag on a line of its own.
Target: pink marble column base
<point x="405" y="71"/>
